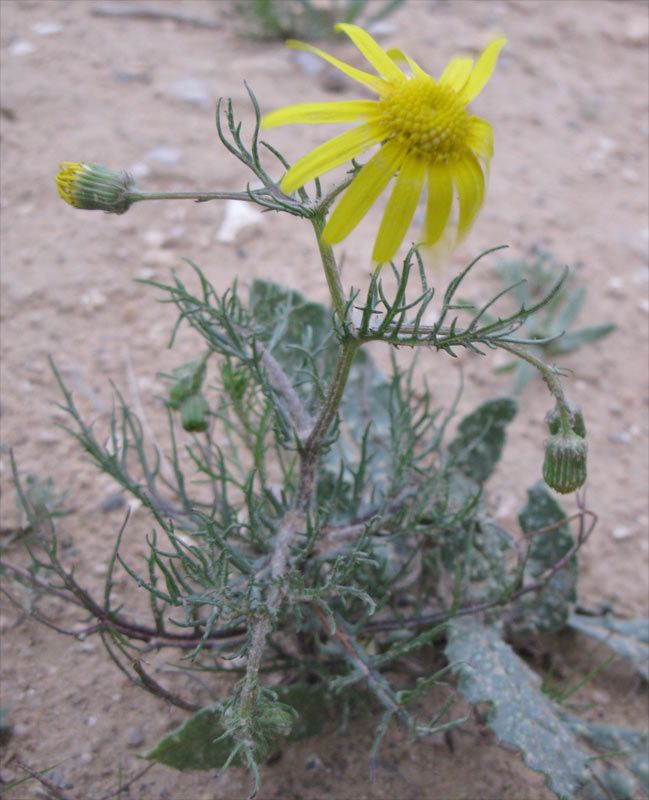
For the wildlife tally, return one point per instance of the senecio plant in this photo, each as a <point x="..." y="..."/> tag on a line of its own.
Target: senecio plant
<point x="343" y="535"/>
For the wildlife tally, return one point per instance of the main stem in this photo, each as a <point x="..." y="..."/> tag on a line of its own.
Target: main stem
<point x="294" y="521"/>
<point x="330" y="267"/>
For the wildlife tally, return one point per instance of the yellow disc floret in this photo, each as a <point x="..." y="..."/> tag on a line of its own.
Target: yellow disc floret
<point x="429" y="119"/>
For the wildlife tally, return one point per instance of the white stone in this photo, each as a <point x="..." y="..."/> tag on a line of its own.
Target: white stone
<point x="165" y="155"/>
<point x="22" y="48"/>
<point x="309" y="63"/>
<point x="238" y="214"/>
<point x="622" y="532"/>
<point x="46" y="28"/>
<point x="191" y="90"/>
<point x="615" y="286"/>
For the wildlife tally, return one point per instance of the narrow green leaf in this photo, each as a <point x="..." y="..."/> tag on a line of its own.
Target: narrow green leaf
<point x="576" y="339"/>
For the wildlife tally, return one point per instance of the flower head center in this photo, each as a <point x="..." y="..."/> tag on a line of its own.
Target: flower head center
<point x="429" y="119"/>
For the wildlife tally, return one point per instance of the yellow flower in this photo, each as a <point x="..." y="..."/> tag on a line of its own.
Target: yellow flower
<point x="425" y="133"/>
<point x="92" y="186"/>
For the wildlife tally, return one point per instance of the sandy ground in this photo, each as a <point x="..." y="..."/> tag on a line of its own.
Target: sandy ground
<point x="569" y="109"/>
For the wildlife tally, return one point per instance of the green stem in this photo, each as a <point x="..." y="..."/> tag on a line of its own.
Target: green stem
<point x="294" y="521"/>
<point x="550" y="378"/>
<point x="311" y="448"/>
<point x="330" y="266"/>
<point x="141" y="194"/>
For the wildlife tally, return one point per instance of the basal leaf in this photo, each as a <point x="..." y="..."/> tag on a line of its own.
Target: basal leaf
<point x="629" y="638"/>
<point x="521" y="714"/>
<point x="630" y="746"/>
<point x="480" y="437"/>
<point x="196" y="745"/>
<point x="294" y="321"/>
<point x="485" y="567"/>
<point x="199" y="743"/>
<point x="548" y="609"/>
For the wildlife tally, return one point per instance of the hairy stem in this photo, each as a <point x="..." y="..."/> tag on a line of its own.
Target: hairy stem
<point x="330" y="267"/>
<point x="294" y="521"/>
<point x="550" y="378"/>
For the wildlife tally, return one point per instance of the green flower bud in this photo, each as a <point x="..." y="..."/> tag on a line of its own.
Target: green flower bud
<point x="553" y="419"/>
<point x="188" y="380"/>
<point x="564" y="467"/>
<point x="92" y="186"/>
<point x="235" y="381"/>
<point x="194" y="414"/>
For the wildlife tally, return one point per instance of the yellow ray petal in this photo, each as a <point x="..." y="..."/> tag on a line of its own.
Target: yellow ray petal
<point x="329" y="155"/>
<point x="470" y="185"/>
<point x="480" y="138"/>
<point x="377" y="57"/>
<point x="483" y="70"/>
<point x="363" y="191"/>
<point x="398" y="55"/>
<point x="440" y="200"/>
<point x="457" y="73"/>
<point x="400" y="208"/>
<point x="343" y="111"/>
<point x="373" y="82"/>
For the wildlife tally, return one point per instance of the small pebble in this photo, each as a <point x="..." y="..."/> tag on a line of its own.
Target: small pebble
<point x="622" y="532"/>
<point x="58" y="779"/>
<point x="46" y="28"/>
<point x="601" y="697"/>
<point x="238" y="214"/>
<point x="615" y="286"/>
<point x="630" y="175"/>
<point x="165" y="155"/>
<point x="636" y="33"/>
<point x="313" y="763"/>
<point x="113" y="501"/>
<point x="310" y="64"/>
<point x="48" y="437"/>
<point x="135" y="737"/>
<point x="191" y="90"/>
<point x="93" y="299"/>
<point x="333" y="81"/>
<point x="90" y="721"/>
<point x="22" y="48"/>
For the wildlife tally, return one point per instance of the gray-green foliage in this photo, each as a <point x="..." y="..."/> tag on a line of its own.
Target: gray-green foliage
<point x="554" y="325"/>
<point x="520" y="714"/>
<point x="397" y="544"/>
<point x="628" y="638"/>
<point x="318" y="526"/>
<point x="283" y="19"/>
<point x="550" y="740"/>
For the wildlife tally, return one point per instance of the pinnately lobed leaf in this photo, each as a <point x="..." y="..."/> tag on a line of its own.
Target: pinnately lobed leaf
<point x="521" y="714"/>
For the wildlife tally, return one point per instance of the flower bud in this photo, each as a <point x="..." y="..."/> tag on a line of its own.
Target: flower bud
<point x="187" y="381"/>
<point x="235" y="381"/>
<point x="92" y="186"/>
<point x="564" y="468"/>
<point x="194" y="414"/>
<point x="553" y="419"/>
